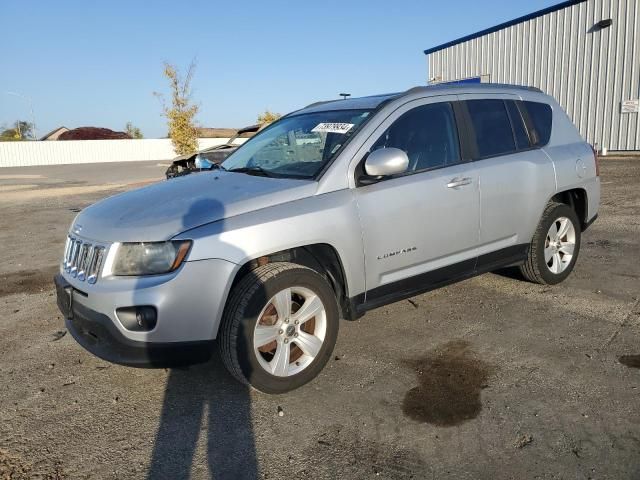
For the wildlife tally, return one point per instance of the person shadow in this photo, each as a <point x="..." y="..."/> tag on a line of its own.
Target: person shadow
<point x="204" y="397"/>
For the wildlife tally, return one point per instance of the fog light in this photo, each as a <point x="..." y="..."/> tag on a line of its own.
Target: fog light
<point x="138" y="319"/>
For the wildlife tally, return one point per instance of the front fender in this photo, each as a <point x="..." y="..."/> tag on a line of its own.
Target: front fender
<point x="330" y="218"/>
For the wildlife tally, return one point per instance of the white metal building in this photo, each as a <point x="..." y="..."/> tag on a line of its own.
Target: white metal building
<point x="586" y="53"/>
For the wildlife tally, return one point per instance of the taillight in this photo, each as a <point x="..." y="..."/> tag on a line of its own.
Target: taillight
<point x="595" y="156"/>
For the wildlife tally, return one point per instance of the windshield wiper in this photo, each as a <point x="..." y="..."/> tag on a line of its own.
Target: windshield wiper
<point x="252" y="171"/>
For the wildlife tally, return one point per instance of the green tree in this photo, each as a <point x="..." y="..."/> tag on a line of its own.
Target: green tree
<point x="181" y="112"/>
<point x="267" y="117"/>
<point x="133" y="131"/>
<point x="21" y="130"/>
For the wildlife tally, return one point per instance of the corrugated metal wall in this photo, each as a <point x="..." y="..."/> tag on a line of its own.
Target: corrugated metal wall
<point x="589" y="71"/>
<point x="25" y="154"/>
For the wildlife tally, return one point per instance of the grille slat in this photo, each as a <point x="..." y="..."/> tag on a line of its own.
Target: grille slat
<point x="96" y="263"/>
<point x="83" y="256"/>
<point x="74" y="258"/>
<point x="82" y="259"/>
<point x="67" y="251"/>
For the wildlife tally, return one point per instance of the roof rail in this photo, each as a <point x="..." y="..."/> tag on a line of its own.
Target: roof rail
<point x="475" y="85"/>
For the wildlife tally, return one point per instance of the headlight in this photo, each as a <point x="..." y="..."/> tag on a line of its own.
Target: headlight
<point x="149" y="258"/>
<point x="202" y="162"/>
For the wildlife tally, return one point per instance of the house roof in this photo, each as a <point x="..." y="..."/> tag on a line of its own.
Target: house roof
<point x="205" y="132"/>
<point x="54" y="131"/>
<point x="510" y="23"/>
<point x="93" y="133"/>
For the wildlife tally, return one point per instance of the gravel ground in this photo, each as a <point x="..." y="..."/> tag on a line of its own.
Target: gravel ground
<point x="489" y="378"/>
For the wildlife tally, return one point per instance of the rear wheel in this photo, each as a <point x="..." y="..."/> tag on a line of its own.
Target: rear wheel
<point x="279" y="327"/>
<point x="555" y="246"/>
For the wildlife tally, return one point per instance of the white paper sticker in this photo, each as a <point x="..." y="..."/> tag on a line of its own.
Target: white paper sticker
<point x="333" y="127"/>
<point x="630" y="106"/>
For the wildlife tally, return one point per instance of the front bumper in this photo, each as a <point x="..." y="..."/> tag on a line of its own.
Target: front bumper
<point x="189" y="302"/>
<point x="98" y="334"/>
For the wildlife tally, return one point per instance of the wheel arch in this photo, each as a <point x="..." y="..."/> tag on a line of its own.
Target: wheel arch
<point x="320" y="257"/>
<point x="576" y="198"/>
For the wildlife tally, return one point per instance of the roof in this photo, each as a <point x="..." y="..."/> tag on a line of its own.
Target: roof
<point x="357" y="103"/>
<point x="207" y="132"/>
<point x="510" y="23"/>
<point x="249" y="129"/>
<point x="93" y="133"/>
<point x="53" y="132"/>
<point x="375" y="101"/>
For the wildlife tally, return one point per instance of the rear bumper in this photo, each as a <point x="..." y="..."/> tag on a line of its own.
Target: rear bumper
<point x="97" y="333"/>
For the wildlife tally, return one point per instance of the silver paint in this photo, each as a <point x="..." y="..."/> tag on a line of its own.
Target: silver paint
<point x="233" y="218"/>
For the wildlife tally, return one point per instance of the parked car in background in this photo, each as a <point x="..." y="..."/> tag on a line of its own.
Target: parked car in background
<point x="335" y="209"/>
<point x="208" y="158"/>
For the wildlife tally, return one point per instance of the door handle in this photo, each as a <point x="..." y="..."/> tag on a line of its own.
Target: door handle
<point x="459" y="182"/>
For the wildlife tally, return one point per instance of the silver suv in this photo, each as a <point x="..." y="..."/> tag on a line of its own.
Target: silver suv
<point x="335" y="209"/>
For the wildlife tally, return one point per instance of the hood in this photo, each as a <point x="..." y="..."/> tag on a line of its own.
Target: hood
<point x="161" y="211"/>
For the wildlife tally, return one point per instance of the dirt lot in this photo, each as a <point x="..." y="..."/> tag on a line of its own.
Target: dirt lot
<point x="490" y="378"/>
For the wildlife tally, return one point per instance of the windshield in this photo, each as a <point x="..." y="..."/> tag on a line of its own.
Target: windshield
<point x="296" y="146"/>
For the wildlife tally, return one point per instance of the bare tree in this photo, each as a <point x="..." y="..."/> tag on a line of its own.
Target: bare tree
<point x="133" y="131"/>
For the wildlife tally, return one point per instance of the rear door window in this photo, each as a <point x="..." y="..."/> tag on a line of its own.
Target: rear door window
<point x="539" y="120"/>
<point x="519" y="130"/>
<point x="492" y="128"/>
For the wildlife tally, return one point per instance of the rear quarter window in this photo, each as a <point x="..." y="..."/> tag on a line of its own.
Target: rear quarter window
<point x="540" y="122"/>
<point x="519" y="130"/>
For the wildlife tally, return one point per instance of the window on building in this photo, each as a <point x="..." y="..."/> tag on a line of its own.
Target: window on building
<point x="427" y="134"/>
<point x="492" y="127"/>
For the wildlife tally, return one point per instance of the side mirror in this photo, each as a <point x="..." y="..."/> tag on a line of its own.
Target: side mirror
<point x="386" y="161"/>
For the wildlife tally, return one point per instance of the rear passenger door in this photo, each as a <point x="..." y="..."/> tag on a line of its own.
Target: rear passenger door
<point x="513" y="175"/>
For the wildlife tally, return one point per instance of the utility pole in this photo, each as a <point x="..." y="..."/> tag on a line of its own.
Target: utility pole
<point x="344" y="95"/>
<point x="33" y="118"/>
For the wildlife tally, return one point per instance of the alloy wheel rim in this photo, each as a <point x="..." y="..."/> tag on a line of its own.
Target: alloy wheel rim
<point x="290" y="331"/>
<point x="559" y="246"/>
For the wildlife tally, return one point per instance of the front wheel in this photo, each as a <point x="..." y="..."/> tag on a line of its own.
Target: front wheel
<point x="555" y="246"/>
<point x="279" y="327"/>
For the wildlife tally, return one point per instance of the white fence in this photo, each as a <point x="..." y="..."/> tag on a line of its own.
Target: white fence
<point x="25" y="154"/>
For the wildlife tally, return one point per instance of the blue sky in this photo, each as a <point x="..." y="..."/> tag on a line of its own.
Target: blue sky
<point x="97" y="63"/>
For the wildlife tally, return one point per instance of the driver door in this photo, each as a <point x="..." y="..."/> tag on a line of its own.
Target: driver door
<point x="420" y="228"/>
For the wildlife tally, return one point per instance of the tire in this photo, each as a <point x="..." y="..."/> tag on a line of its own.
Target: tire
<point x="255" y="303"/>
<point x="171" y="172"/>
<point x="538" y="268"/>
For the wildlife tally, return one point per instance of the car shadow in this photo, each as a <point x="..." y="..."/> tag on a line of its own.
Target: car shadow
<point x="509" y="272"/>
<point x="201" y="398"/>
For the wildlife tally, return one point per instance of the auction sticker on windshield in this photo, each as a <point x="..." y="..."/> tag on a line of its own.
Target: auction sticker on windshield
<point x="333" y="127"/>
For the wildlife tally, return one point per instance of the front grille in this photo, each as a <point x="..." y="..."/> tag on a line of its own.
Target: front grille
<point x="82" y="259"/>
